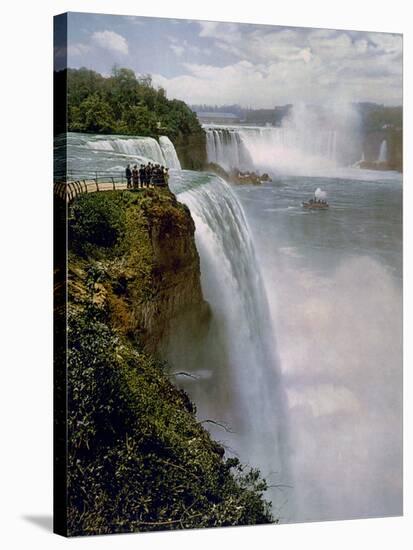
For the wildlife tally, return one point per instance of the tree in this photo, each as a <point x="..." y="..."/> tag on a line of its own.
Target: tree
<point x="97" y="114"/>
<point x="127" y="104"/>
<point x="140" y="120"/>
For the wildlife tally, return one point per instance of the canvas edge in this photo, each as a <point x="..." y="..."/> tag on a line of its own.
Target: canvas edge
<point x="60" y="288"/>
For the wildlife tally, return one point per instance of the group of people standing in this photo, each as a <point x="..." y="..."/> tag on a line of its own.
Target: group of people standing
<point x="146" y="175"/>
<point x="317" y="201"/>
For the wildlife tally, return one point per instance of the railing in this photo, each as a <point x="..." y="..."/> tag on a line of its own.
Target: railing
<point x="71" y="189"/>
<point x="79" y="182"/>
<point x="73" y="175"/>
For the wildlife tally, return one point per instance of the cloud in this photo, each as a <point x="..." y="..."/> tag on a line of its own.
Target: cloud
<point x="290" y="81"/>
<point x="266" y="66"/>
<point x="78" y="49"/>
<point x="388" y="43"/>
<point x="178" y="50"/>
<point x="110" y="40"/>
<point x="134" y="20"/>
<point x="179" y="47"/>
<point x="106" y="40"/>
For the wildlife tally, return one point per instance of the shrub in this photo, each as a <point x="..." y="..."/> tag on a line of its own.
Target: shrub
<point x="138" y="459"/>
<point x="97" y="220"/>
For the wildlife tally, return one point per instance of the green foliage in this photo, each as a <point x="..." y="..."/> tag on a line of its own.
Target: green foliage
<point x="138" y="120"/>
<point x="117" y="225"/>
<point x="138" y="459"/>
<point x="95" y="113"/>
<point x="96" y="220"/>
<point x="376" y="117"/>
<point x="125" y="104"/>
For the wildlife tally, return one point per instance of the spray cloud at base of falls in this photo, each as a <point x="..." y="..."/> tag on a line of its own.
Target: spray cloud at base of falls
<point x="310" y="139"/>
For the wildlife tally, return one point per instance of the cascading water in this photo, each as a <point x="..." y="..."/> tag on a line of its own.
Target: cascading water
<point x="270" y="148"/>
<point x="169" y="153"/>
<point x="226" y="148"/>
<point x="310" y="139"/>
<point x="88" y="154"/>
<point x="383" y="152"/>
<point x="243" y="387"/>
<point x="138" y="146"/>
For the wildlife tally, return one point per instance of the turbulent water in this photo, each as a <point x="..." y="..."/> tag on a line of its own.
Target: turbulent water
<point x="169" y="153"/>
<point x="334" y="282"/>
<point x="243" y="387"/>
<point x="109" y="154"/>
<point x="383" y="152"/>
<point x="302" y="366"/>
<point x="246" y="147"/>
<point x="309" y="139"/>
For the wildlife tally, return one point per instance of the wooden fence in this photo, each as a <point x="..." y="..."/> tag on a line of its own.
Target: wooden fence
<point x="69" y="190"/>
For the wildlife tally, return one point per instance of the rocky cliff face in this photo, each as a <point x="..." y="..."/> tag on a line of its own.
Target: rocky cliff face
<point x="191" y="150"/>
<point x="176" y="302"/>
<point x="150" y="280"/>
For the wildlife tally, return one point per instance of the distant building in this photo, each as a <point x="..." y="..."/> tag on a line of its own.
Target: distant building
<point x="217" y="118"/>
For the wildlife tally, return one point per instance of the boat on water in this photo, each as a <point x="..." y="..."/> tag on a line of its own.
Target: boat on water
<point x="315" y="204"/>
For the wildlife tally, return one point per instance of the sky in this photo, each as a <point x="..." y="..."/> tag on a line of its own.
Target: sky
<point x="258" y="66"/>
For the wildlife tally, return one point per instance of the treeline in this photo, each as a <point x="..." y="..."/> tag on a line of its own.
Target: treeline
<point x="272" y="116"/>
<point x="263" y="116"/>
<point x="124" y="104"/>
<point x="373" y="115"/>
<point x="235" y="109"/>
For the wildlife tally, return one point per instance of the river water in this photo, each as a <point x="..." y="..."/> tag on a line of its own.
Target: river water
<point x="334" y="283"/>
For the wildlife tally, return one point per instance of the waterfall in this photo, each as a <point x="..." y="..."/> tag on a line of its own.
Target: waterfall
<point x="267" y="148"/>
<point x="226" y="148"/>
<point x="169" y="153"/>
<point x="383" y="152"/>
<point x="243" y="386"/>
<point x="311" y="139"/>
<point x="139" y="149"/>
<point x="143" y="147"/>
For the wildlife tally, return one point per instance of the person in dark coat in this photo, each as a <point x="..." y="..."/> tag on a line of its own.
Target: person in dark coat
<point x="155" y="175"/>
<point x="142" y="175"/>
<point x="128" y="174"/>
<point x="149" y="170"/>
<point x="135" y="177"/>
